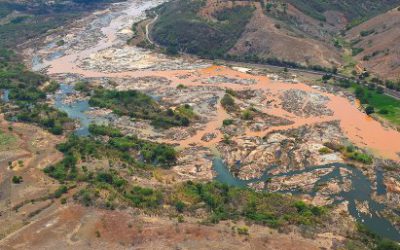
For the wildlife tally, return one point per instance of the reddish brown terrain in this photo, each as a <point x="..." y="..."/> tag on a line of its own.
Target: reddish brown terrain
<point x="268" y="37"/>
<point x="381" y="53"/>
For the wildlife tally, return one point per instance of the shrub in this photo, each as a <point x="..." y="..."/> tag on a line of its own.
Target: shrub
<point x="60" y="191"/>
<point x="17" y="179"/>
<point x="180" y="206"/>
<point x="247" y="114"/>
<point x="243" y="230"/>
<point x="324" y="151"/>
<point x="228" y="102"/>
<point x="227" y="122"/>
<point x="369" y="110"/>
<point x="145" y="197"/>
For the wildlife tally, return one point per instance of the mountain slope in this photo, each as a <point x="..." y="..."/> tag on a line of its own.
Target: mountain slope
<point x="298" y="31"/>
<point x="378" y="40"/>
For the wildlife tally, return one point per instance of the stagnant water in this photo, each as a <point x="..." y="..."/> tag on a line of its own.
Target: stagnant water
<point x="360" y="191"/>
<point x="76" y="110"/>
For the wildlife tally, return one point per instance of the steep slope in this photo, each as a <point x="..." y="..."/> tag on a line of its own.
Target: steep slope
<point x="378" y="40"/>
<point x="355" y="10"/>
<point x="268" y="37"/>
<point x="294" y="32"/>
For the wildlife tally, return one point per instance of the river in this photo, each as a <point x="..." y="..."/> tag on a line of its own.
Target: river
<point x="360" y="191"/>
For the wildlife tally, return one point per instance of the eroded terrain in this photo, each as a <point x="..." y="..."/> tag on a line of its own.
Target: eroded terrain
<point x="282" y="135"/>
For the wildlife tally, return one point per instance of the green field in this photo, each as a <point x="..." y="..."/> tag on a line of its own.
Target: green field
<point x="385" y="106"/>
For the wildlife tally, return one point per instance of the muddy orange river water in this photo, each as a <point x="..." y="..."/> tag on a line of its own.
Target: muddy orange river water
<point x="357" y="126"/>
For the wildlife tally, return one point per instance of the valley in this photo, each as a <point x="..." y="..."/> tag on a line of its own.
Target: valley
<point x="307" y="168"/>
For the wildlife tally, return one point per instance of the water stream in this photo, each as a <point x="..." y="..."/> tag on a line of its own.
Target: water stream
<point x="360" y="191"/>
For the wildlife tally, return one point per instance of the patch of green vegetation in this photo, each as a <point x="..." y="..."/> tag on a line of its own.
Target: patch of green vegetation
<point x="360" y="157"/>
<point x="386" y="106"/>
<point x="224" y="202"/>
<point x="82" y="86"/>
<point x="6" y="140"/>
<point x="227" y="122"/>
<point x="367" y="32"/>
<point x="324" y="151"/>
<point x="351" y="152"/>
<point x="356" y="51"/>
<point x="138" y="105"/>
<point x="26" y="95"/>
<point x="43" y="115"/>
<point x="17" y="179"/>
<point x="117" y="148"/>
<point x="248" y="114"/>
<point x="228" y="102"/>
<point x="190" y="33"/>
<point x="60" y="191"/>
<point x="144" y="197"/>
<point x="95" y="129"/>
<point x="52" y="87"/>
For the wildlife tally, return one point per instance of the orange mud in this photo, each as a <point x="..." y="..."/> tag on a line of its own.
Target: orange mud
<point x="357" y="126"/>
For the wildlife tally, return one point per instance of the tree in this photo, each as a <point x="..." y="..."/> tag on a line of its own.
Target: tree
<point x="17" y="179"/>
<point x="360" y="94"/>
<point x="369" y="110"/>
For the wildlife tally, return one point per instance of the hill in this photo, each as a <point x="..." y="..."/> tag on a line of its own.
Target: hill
<point x="377" y="40"/>
<point x="282" y="32"/>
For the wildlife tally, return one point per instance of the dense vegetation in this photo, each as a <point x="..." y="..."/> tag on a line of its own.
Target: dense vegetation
<point x="27" y="95"/>
<point x="224" y="202"/>
<point x="109" y="143"/>
<point x="138" y="105"/>
<point x="187" y="32"/>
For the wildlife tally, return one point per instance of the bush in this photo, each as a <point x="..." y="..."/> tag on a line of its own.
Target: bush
<point x="145" y="197"/>
<point x="227" y="122"/>
<point x="247" y="115"/>
<point x="226" y="202"/>
<point x="243" y="230"/>
<point x="324" y="151"/>
<point x="180" y="206"/>
<point x="383" y="112"/>
<point x="17" y="179"/>
<point x="369" y="110"/>
<point x="228" y="102"/>
<point x="60" y="191"/>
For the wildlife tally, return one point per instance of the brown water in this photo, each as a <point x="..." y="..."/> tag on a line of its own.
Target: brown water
<point x="359" y="128"/>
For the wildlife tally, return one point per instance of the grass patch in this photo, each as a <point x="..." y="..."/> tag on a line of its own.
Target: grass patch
<point x="385" y="106"/>
<point x="7" y="141"/>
